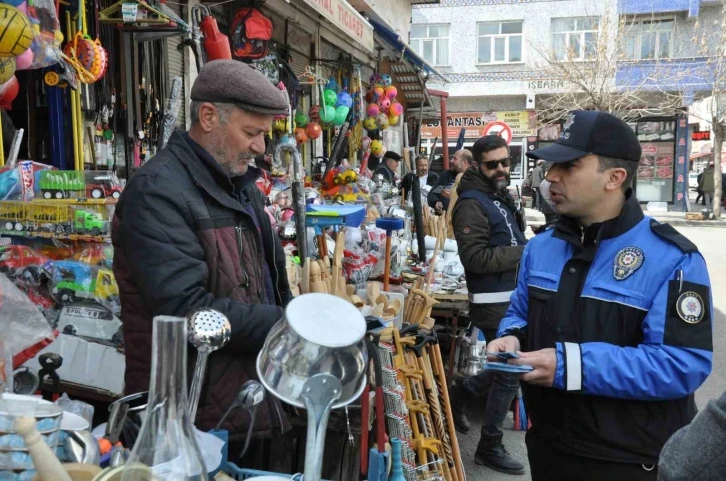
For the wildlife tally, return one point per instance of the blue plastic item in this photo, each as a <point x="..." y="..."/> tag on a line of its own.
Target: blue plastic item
<point x="240" y="473"/>
<point x="354" y="214"/>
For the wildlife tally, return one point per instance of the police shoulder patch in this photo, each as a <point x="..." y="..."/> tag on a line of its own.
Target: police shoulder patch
<point x="670" y="234"/>
<point x="627" y="261"/>
<point x="688" y="316"/>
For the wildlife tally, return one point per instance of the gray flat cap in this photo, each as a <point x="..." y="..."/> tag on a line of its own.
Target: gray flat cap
<point x="234" y="82"/>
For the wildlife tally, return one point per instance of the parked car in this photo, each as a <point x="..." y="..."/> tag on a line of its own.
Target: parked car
<point x="693" y="180"/>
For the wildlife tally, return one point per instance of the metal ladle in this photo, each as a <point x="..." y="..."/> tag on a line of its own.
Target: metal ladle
<point x="209" y="330"/>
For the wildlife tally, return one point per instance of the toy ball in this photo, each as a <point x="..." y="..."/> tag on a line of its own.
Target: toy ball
<point x="382" y="121"/>
<point x="288" y="140"/>
<point x="300" y="135"/>
<point x="313" y="130"/>
<point x="370" y="124"/>
<point x="344" y="100"/>
<point x="7" y="69"/>
<point x="369" y="96"/>
<point x="393" y="119"/>
<point x="376" y="148"/>
<point x="8" y="91"/>
<point x="330" y="97"/>
<point x="314" y="113"/>
<point x="327" y="114"/>
<point x="396" y="109"/>
<point x="24" y="60"/>
<point x="341" y="113"/>
<point x="391" y="92"/>
<point x="380" y="92"/>
<point x="278" y="125"/>
<point x="15" y="3"/>
<point x="374" y="79"/>
<point x="301" y="119"/>
<point x="16" y="34"/>
<point x="384" y="104"/>
<point x="373" y="110"/>
<point x="387" y="80"/>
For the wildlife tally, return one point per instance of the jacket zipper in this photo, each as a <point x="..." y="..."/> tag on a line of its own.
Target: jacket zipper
<point x="274" y="265"/>
<point x="245" y="276"/>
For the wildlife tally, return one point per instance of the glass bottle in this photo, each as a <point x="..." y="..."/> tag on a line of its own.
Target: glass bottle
<point x="166" y="447"/>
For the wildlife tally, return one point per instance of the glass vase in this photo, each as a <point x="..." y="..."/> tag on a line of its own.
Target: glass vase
<point x="166" y="448"/>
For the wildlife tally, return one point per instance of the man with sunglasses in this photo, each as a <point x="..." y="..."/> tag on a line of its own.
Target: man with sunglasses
<point x="491" y="242"/>
<point x="613" y="312"/>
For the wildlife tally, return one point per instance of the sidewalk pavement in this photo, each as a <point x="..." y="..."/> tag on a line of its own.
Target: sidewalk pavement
<point x="536" y="218"/>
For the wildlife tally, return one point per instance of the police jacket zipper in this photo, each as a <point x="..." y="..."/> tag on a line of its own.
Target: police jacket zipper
<point x="245" y="277"/>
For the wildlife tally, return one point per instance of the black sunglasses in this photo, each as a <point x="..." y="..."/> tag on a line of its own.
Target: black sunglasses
<point x="493" y="164"/>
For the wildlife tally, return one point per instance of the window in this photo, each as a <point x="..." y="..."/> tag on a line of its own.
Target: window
<point x="649" y="39"/>
<point x="499" y="42"/>
<point x="575" y="38"/>
<point x="431" y="42"/>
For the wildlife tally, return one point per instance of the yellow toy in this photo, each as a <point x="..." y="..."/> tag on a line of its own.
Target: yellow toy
<point x="376" y="148"/>
<point x="16" y="34"/>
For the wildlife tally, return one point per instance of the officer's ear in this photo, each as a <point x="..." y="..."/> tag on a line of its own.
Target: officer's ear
<point x="615" y="179"/>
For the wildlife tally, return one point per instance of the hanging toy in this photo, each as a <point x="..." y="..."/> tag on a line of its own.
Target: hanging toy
<point x="391" y="92"/>
<point x="313" y="130"/>
<point x="216" y="44"/>
<point x="289" y="140"/>
<point x="314" y="113"/>
<point x="7" y="69"/>
<point x="8" y="91"/>
<point x="332" y="84"/>
<point x="384" y="104"/>
<point x="395" y="109"/>
<point x="24" y="60"/>
<point x="387" y="80"/>
<point x="341" y="113"/>
<point x="301" y="119"/>
<point x="393" y="119"/>
<point x="327" y="115"/>
<point x="278" y="125"/>
<point x="379" y="92"/>
<point x="374" y="79"/>
<point x="382" y="121"/>
<point x="376" y="148"/>
<point x="300" y="135"/>
<point x="330" y="97"/>
<point x="373" y="110"/>
<point x="370" y="124"/>
<point x="344" y="100"/>
<point x="16" y="34"/>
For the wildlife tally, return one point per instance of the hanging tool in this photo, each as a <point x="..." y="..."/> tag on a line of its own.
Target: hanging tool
<point x="389" y="224"/>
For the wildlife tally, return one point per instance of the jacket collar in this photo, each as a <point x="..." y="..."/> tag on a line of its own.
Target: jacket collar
<point x="207" y="173"/>
<point x="631" y="214"/>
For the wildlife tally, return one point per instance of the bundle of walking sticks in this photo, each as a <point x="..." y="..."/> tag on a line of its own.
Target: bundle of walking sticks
<point x="417" y="406"/>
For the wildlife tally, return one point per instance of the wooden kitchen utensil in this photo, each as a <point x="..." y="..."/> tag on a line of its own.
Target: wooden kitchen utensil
<point x="45" y="461"/>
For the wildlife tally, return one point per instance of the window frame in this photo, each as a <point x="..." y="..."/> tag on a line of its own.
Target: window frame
<point x="492" y="47"/>
<point x="581" y="34"/>
<point x="639" y="38"/>
<point x="428" y="37"/>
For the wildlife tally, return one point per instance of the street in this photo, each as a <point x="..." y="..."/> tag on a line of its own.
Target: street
<point x="709" y="242"/>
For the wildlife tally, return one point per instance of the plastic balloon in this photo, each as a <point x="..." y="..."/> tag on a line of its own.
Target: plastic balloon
<point x="376" y="148"/>
<point x="313" y="130"/>
<point x="301" y="119"/>
<point x="344" y="100"/>
<point x="382" y="121"/>
<point x="373" y="110"/>
<point x="300" y="135"/>
<point x="374" y="79"/>
<point x="384" y="104"/>
<point x="393" y="119"/>
<point x="327" y="115"/>
<point x="330" y="97"/>
<point x="391" y="92"/>
<point x="387" y="80"/>
<point x="380" y="92"/>
<point x="341" y="113"/>
<point x="16" y="3"/>
<point x="370" y="124"/>
<point x="396" y="109"/>
<point x="314" y="113"/>
<point x="8" y="92"/>
<point x="24" y="60"/>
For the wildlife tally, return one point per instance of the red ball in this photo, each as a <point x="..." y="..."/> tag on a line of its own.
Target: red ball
<point x="313" y="130"/>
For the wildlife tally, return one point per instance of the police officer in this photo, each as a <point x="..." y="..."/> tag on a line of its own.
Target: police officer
<point x="613" y="312"/>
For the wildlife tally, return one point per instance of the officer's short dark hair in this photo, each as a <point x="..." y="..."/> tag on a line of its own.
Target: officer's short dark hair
<point x="487" y="144"/>
<point x="630" y="167"/>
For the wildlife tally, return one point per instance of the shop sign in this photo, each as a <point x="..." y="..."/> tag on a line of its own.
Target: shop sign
<point x="546" y="84"/>
<point x="701" y="135"/>
<point x="523" y="123"/>
<point x="341" y="14"/>
<point x="499" y="128"/>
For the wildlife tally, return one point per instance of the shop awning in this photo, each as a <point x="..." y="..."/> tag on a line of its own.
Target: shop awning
<point x="410" y="70"/>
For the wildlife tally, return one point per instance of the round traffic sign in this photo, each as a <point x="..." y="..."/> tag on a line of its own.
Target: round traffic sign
<point x="498" y="128"/>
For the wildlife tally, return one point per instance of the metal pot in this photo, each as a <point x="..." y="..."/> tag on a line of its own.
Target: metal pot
<point x="319" y="333"/>
<point x="287" y="231"/>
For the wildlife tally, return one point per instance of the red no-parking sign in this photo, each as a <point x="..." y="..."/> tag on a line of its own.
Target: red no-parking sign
<point x="498" y="128"/>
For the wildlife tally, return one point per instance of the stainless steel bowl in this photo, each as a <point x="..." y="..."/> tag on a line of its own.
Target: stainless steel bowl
<point x="319" y="333"/>
<point x="287" y="231"/>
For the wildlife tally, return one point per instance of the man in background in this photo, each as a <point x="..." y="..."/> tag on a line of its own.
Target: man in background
<point x="537" y="178"/>
<point x="441" y="191"/>
<point x="422" y="174"/>
<point x="388" y="168"/>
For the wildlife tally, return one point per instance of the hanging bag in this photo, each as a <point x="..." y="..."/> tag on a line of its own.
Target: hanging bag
<point x="251" y="34"/>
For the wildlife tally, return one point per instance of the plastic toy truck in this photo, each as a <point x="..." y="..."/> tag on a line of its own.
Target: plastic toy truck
<point x="73" y="281"/>
<point x="14" y="258"/>
<point x="53" y="217"/>
<point x="100" y="185"/>
<point x="72" y="184"/>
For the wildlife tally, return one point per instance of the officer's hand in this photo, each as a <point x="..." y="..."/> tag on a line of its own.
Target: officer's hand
<point x="503" y="344"/>
<point x="544" y="363"/>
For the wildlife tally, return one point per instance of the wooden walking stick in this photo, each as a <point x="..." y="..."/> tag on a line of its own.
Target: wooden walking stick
<point x="444" y="391"/>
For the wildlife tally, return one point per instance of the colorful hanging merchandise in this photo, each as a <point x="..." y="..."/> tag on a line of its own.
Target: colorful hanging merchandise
<point x="251" y="34"/>
<point x="383" y="109"/>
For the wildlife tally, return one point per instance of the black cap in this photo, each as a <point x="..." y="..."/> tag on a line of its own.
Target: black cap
<point x="392" y="155"/>
<point x="591" y="132"/>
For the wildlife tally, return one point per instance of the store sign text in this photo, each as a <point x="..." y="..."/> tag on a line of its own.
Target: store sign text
<point x="701" y="135"/>
<point x="343" y="16"/>
<point x="546" y="84"/>
<point x="522" y="122"/>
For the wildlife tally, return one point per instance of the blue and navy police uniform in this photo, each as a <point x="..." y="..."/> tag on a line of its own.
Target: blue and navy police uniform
<point x="627" y="305"/>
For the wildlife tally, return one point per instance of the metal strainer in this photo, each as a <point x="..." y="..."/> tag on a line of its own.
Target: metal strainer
<point x="209" y="330"/>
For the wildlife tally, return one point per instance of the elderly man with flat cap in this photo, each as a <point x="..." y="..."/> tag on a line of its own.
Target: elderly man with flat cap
<point x="388" y="168"/>
<point x="190" y="232"/>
